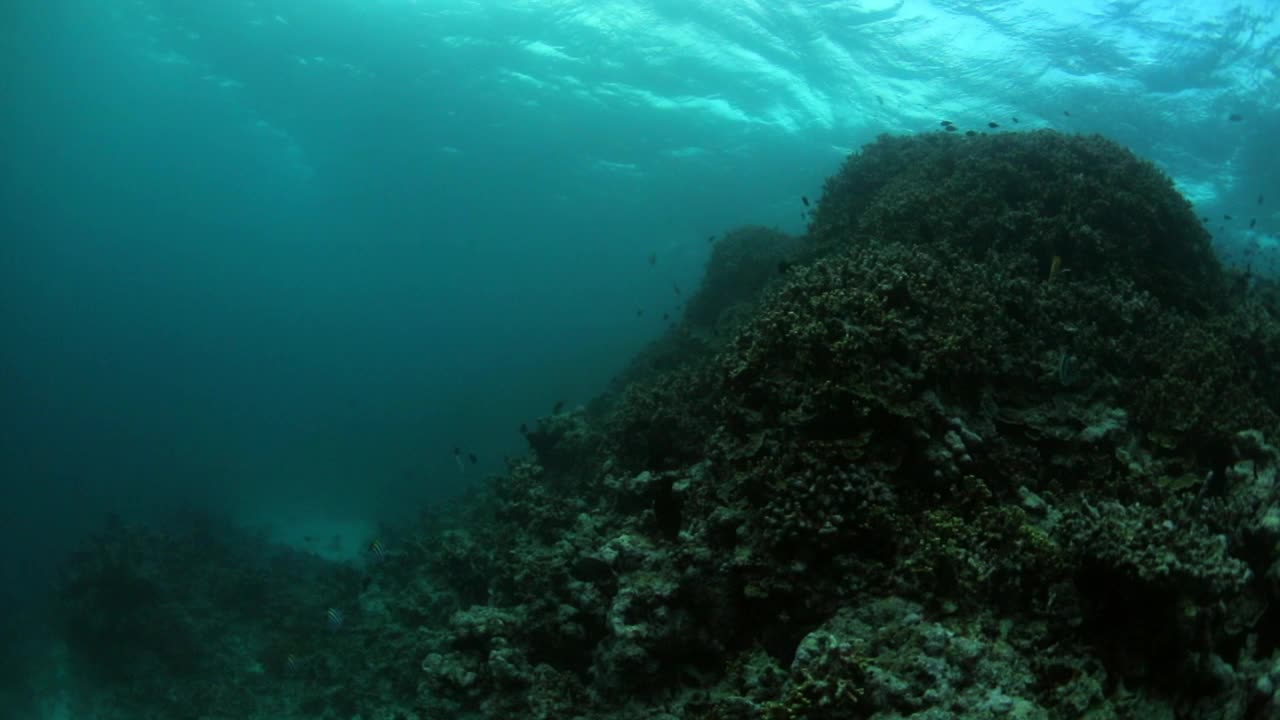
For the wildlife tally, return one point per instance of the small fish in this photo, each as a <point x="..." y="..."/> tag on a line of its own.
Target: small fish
<point x="1067" y="113"/>
<point x="804" y="200"/>
<point x="666" y="316"/>
<point x="335" y="618"/>
<point x="308" y="539"/>
<point x="524" y="428"/>
<point x="950" y="128"/>
<point x="377" y="551"/>
<point x="472" y="457"/>
<point x="1252" y="222"/>
<point x="1204" y="219"/>
<point x="1259" y="199"/>
<point x="970" y="133"/>
<point x="784" y="267"/>
<point x="293" y="663"/>
<point x="558" y="407"/>
<point x="879" y="99"/>
<point x="993" y="125"/>
<point x="1226" y="217"/>
<point x="1054" y="267"/>
<point x="676" y="288"/>
<point x="639" y="312"/>
<point x="653" y="258"/>
<point x="711" y="238"/>
<point x="457" y="458"/>
<point x="1015" y="118"/>
<point x="1235" y="117"/>
<point x="947" y="123"/>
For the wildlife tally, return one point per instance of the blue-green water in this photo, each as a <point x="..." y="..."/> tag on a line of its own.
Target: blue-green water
<point x="282" y="257"/>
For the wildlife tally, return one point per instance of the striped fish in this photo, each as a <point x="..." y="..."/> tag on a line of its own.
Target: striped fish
<point x="336" y="618"/>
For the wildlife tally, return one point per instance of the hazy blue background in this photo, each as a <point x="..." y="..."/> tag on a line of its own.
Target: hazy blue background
<point x="281" y="256"/>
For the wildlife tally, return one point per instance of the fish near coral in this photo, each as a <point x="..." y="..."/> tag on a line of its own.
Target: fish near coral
<point x="335" y="619"/>
<point x="377" y="551"/>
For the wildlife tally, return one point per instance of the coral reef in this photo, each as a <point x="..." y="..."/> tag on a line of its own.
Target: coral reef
<point x="998" y="443"/>
<point x="742" y="263"/>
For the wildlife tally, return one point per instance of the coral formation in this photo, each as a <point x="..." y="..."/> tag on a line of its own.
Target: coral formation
<point x="998" y="443"/>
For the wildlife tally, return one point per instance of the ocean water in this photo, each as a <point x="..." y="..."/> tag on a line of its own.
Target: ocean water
<point x="299" y="260"/>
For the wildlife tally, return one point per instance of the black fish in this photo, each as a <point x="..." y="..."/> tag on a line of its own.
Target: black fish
<point x="970" y="133"/>
<point x="1226" y="217"/>
<point x="711" y="238"/>
<point x="1259" y="199"/>
<point x="1015" y="119"/>
<point x="1235" y="117"/>
<point x="946" y="123"/>
<point x="558" y="407"/>
<point x="1204" y="219"/>
<point x="666" y="316"/>
<point x="524" y="429"/>
<point x="805" y="200"/>
<point x="639" y="312"/>
<point x="950" y="128"/>
<point x="993" y="125"/>
<point x="1252" y="222"/>
<point x="1067" y="113"/>
<point x="653" y="258"/>
<point x="472" y="458"/>
<point x="676" y="288"/>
